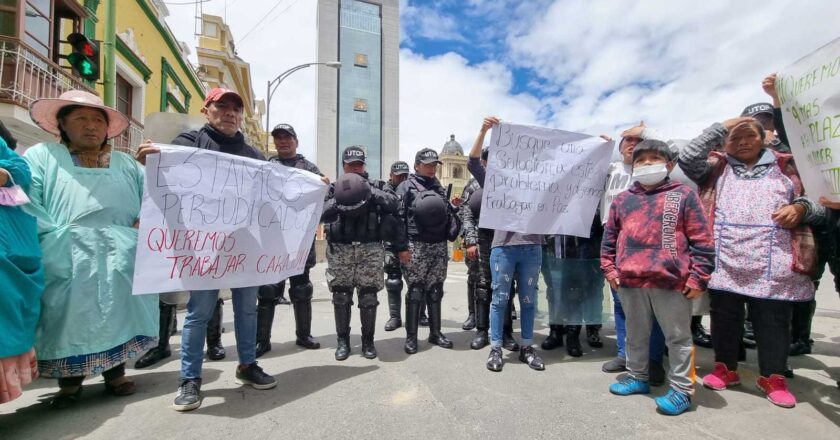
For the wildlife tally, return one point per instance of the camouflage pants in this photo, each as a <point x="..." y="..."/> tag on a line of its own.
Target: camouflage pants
<point x="427" y="265"/>
<point x="355" y="265"/>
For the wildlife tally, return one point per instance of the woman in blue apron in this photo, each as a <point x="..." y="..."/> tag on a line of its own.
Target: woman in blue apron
<point x="87" y="202"/>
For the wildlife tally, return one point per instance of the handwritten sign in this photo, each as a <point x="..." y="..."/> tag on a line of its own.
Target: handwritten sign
<point x="211" y="220"/>
<point x="543" y="181"/>
<point x="809" y="91"/>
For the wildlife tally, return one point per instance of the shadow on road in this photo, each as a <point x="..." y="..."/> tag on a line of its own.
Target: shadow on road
<point x="245" y="402"/>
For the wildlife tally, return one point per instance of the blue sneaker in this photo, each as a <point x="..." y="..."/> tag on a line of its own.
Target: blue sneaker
<point x="673" y="403"/>
<point x="628" y="386"/>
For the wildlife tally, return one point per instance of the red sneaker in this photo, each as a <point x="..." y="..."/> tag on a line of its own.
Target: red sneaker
<point x="721" y="377"/>
<point x="776" y="390"/>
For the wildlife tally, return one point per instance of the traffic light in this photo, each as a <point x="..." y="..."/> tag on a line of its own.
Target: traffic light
<point x="85" y="56"/>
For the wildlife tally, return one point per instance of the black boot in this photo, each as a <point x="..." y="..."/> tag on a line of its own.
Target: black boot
<point x="395" y="321"/>
<point x="412" y="315"/>
<point x="301" y="296"/>
<point x="800" y="340"/>
<point x="342" y="307"/>
<point x="367" y="314"/>
<point x="435" y="335"/>
<point x="573" y="341"/>
<point x="593" y="338"/>
<point x="555" y="337"/>
<point x="482" y="324"/>
<point x="265" y="319"/>
<point x="701" y="337"/>
<point x="424" y="320"/>
<point x="469" y="323"/>
<point x="215" y="349"/>
<point x="161" y="351"/>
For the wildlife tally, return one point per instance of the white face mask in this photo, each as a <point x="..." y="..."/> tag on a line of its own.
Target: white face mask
<point x="651" y="174"/>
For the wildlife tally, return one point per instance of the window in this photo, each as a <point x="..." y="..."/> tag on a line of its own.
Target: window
<point x="211" y="29"/>
<point x="8" y="18"/>
<point x="125" y="96"/>
<point x="361" y="60"/>
<point x="361" y="105"/>
<point x="457" y="172"/>
<point x="37" y="25"/>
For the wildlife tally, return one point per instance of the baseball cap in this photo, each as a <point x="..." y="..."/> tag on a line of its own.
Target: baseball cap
<point x="284" y="127"/>
<point x="427" y="155"/>
<point x="755" y="109"/>
<point x="353" y="153"/>
<point x="218" y="93"/>
<point x="400" y="167"/>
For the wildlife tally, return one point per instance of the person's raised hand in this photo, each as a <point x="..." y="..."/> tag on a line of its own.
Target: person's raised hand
<point x="489" y="122"/>
<point x="634" y="131"/>
<point x="769" y="86"/>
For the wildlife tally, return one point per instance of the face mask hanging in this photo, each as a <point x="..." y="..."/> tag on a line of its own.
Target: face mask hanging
<point x="13" y="195"/>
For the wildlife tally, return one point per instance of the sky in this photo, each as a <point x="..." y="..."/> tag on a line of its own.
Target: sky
<point x="589" y="66"/>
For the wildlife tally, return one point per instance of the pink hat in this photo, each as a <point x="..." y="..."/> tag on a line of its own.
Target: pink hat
<point x="219" y="93"/>
<point x="44" y="111"/>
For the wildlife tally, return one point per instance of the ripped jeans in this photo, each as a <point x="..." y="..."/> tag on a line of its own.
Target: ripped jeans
<point x="525" y="261"/>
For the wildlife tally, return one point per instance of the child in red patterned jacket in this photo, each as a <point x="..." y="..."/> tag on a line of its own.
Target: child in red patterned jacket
<point x="658" y="253"/>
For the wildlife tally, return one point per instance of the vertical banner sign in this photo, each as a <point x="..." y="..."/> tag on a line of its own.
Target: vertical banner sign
<point x="809" y="91"/>
<point x="211" y="220"/>
<point x="543" y="181"/>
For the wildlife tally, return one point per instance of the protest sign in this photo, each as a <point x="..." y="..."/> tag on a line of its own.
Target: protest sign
<point x="211" y="220"/>
<point x="809" y="92"/>
<point x="543" y="181"/>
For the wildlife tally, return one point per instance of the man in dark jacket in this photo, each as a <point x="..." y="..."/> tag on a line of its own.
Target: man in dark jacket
<point x="223" y="109"/>
<point x="300" y="286"/>
<point x="359" y="214"/>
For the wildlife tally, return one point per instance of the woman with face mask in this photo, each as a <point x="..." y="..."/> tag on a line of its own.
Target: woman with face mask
<point x="765" y="250"/>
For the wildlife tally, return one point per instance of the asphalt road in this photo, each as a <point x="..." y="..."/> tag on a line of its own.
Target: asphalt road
<point x="436" y="393"/>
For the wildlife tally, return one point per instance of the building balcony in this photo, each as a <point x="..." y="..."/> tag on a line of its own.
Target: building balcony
<point x="25" y="76"/>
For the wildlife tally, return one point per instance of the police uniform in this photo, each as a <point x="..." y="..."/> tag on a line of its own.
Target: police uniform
<point x="359" y="214"/>
<point x="427" y="221"/>
<point x="300" y="286"/>
<point x="393" y="271"/>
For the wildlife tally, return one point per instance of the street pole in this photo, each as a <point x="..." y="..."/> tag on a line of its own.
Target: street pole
<point x="272" y="87"/>
<point x="109" y="80"/>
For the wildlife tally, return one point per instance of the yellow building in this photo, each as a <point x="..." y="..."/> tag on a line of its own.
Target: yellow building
<point x="220" y="66"/>
<point x="453" y="168"/>
<point x="153" y="73"/>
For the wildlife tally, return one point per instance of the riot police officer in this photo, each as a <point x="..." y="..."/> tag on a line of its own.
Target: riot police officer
<point x="393" y="274"/>
<point x="427" y="220"/>
<point x="359" y="214"/>
<point x="300" y="287"/>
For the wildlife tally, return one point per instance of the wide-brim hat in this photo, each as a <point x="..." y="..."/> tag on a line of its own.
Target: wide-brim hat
<point x="44" y="112"/>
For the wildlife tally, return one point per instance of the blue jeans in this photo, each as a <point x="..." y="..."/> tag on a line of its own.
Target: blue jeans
<point x="525" y="261"/>
<point x="657" y="338"/>
<point x="200" y="310"/>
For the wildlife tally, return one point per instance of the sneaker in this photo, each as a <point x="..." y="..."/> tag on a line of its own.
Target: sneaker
<point x="721" y="377"/>
<point x="494" y="360"/>
<point x="656" y="373"/>
<point x="189" y="395"/>
<point x="775" y="387"/>
<point x="673" y="403"/>
<point x="616" y="365"/>
<point x="628" y="386"/>
<point x="529" y="356"/>
<point x="255" y="376"/>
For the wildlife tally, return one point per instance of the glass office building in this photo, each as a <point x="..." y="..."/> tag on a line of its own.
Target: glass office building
<point x="360" y="82"/>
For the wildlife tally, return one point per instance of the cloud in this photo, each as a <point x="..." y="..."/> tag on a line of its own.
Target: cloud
<point x="678" y="66"/>
<point x="445" y="95"/>
<point x="427" y="22"/>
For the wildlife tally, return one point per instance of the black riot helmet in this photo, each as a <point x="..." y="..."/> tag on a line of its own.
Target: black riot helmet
<point x="351" y="191"/>
<point x="474" y="202"/>
<point x="430" y="210"/>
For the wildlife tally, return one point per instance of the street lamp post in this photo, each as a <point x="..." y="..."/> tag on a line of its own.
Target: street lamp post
<point x="272" y="86"/>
